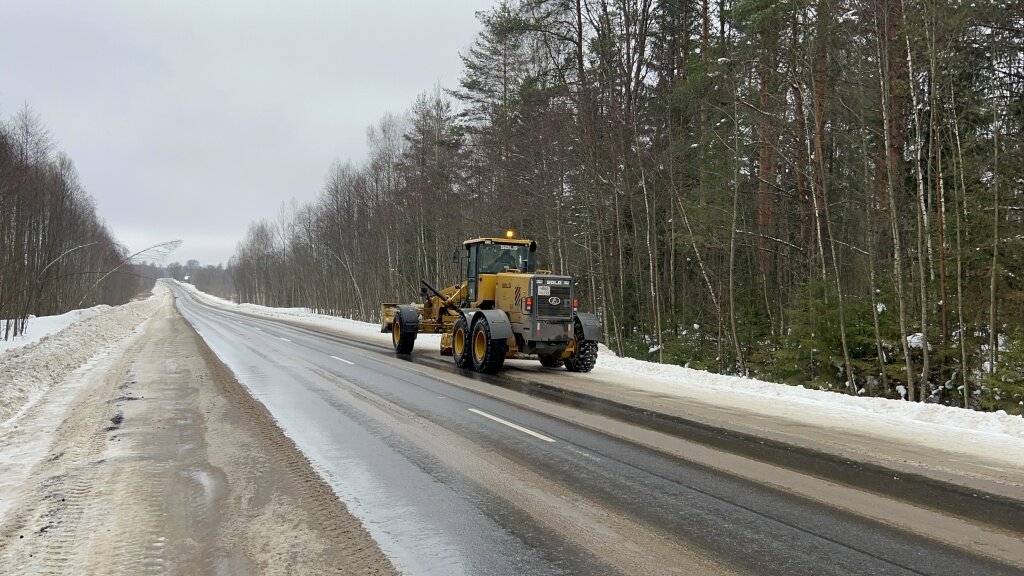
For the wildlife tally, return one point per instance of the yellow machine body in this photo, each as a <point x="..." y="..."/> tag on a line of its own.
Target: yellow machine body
<point x="532" y="311"/>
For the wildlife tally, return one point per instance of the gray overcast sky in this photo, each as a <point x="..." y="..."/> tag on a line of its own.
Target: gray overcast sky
<point x="189" y="119"/>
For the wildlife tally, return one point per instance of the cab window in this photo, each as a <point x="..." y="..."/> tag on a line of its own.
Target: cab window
<point x="495" y="258"/>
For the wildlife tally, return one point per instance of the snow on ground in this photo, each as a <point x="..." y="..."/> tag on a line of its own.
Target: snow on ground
<point x="803" y="402"/>
<point x="996" y="437"/>
<point x="364" y="329"/>
<point x="28" y="371"/>
<point x="38" y="328"/>
<point x="55" y="360"/>
<point x="25" y="440"/>
<point x="996" y="434"/>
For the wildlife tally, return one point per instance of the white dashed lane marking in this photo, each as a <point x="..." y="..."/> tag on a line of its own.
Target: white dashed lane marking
<point x="343" y="360"/>
<point x="511" y="425"/>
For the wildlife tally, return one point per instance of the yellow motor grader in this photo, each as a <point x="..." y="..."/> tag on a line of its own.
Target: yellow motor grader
<point x="502" y="307"/>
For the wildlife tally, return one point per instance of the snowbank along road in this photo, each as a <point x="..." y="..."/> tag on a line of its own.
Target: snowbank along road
<point x="197" y="438"/>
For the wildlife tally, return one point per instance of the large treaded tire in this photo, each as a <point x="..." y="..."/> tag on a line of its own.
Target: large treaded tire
<point x="551" y="361"/>
<point x="402" y="341"/>
<point x="460" y="339"/>
<point x="488" y="353"/>
<point x="586" y="352"/>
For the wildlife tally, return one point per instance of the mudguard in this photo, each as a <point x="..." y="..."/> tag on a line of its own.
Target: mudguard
<point x="501" y="328"/>
<point x="592" y="329"/>
<point x="410" y="318"/>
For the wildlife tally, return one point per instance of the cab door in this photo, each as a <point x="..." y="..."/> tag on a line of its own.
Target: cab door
<point x="471" y="273"/>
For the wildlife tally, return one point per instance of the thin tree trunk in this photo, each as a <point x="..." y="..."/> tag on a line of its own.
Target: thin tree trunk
<point x="766" y="165"/>
<point x="700" y="263"/>
<point x="894" y="216"/>
<point x="651" y="251"/>
<point x="820" y="80"/>
<point x="869" y="204"/>
<point x="993" y="330"/>
<point x="923" y="246"/>
<point x="940" y="192"/>
<point x="732" y="241"/>
<point x="960" y="196"/>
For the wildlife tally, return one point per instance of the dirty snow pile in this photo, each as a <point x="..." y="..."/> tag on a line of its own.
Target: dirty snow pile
<point x="29" y="370"/>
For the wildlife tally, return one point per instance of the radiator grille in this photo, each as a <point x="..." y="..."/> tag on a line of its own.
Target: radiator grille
<point x="556" y="304"/>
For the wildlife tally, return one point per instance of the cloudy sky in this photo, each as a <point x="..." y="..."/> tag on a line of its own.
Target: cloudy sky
<point x="189" y="119"/>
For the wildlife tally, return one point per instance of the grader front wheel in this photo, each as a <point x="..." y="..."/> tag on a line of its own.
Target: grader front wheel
<point x="460" y="344"/>
<point x="402" y="341"/>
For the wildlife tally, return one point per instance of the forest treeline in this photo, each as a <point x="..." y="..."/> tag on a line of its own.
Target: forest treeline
<point x="826" y="193"/>
<point x="56" y="254"/>
<point x="213" y="279"/>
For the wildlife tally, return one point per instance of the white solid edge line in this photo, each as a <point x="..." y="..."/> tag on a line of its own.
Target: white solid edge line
<point x="511" y="425"/>
<point x="283" y="338"/>
<point x="343" y="360"/>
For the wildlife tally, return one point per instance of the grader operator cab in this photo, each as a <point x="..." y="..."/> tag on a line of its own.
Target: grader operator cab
<point x="502" y="307"/>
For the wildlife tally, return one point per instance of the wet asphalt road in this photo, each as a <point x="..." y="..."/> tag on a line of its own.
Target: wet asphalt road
<point x="433" y="518"/>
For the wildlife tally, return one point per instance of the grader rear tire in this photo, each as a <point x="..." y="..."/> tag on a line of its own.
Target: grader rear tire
<point x="488" y="353"/>
<point x="586" y="352"/>
<point x="461" y="344"/>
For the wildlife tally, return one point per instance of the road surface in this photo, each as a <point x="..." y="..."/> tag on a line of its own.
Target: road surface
<point x="452" y="475"/>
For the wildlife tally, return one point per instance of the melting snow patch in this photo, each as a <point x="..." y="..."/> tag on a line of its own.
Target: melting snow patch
<point x="916" y="340"/>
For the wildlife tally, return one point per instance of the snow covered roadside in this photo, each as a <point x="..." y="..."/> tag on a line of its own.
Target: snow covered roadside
<point x="905" y="435"/>
<point x="803" y="403"/>
<point x="28" y="371"/>
<point x="25" y="438"/>
<point x="995" y="436"/>
<point x="365" y="330"/>
<point x="38" y="328"/>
